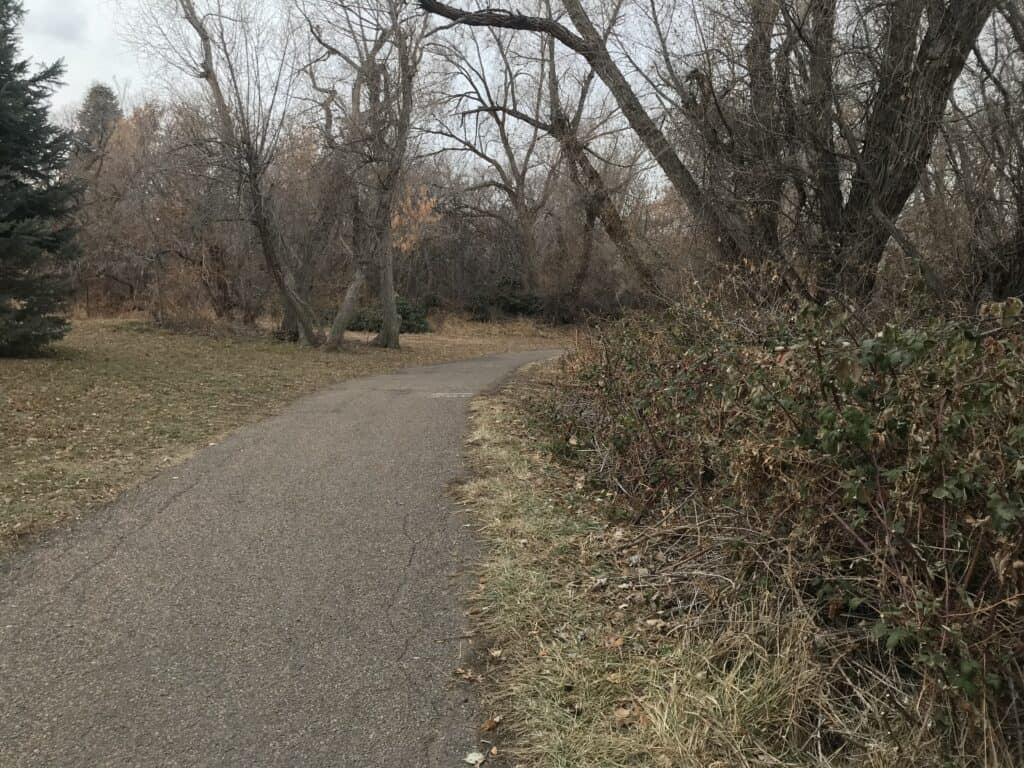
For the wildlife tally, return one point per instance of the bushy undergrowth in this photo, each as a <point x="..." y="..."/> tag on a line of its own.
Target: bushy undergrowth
<point x="413" y="318"/>
<point x="873" y="481"/>
<point x="506" y="299"/>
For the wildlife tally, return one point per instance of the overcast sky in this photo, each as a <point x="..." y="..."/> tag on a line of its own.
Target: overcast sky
<point x="84" y="34"/>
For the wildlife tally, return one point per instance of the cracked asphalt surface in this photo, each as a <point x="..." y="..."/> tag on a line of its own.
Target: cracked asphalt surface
<point x="291" y="596"/>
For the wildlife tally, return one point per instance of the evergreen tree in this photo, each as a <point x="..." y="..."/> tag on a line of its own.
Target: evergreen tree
<point x="36" y="199"/>
<point x="95" y="122"/>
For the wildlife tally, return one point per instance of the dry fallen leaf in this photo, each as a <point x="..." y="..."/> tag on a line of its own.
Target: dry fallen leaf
<point x="625" y="715"/>
<point x="491" y="723"/>
<point x="474" y="758"/>
<point x="468" y="675"/>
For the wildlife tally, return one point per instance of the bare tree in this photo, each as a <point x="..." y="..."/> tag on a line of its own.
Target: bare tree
<point x="915" y="52"/>
<point x="365" y="69"/>
<point x="545" y="113"/>
<point x="980" y="180"/>
<point x="484" y="80"/>
<point x="243" y="52"/>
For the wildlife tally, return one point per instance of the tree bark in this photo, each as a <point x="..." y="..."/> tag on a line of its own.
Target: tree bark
<point x="347" y="310"/>
<point x="917" y="80"/>
<point x="391" y="322"/>
<point x="586" y="257"/>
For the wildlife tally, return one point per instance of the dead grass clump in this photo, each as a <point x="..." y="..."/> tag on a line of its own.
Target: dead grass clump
<point x="460" y="325"/>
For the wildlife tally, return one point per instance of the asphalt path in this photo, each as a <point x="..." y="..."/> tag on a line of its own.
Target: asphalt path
<point x="291" y="596"/>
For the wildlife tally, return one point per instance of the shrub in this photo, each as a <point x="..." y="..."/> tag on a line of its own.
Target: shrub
<point x="507" y="299"/>
<point x="413" y="317"/>
<point x="875" y="478"/>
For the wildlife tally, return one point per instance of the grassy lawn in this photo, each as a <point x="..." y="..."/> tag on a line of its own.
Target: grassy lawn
<point x="118" y="399"/>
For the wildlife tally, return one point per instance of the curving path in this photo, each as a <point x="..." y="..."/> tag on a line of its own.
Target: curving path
<point x="288" y="597"/>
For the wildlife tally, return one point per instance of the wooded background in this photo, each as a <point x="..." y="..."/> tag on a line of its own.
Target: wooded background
<point x="313" y="156"/>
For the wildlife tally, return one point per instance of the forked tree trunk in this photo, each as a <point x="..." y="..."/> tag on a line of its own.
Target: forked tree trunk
<point x="918" y="75"/>
<point x="389" y="172"/>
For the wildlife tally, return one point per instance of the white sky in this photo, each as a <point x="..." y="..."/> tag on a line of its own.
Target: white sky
<point x="84" y="34"/>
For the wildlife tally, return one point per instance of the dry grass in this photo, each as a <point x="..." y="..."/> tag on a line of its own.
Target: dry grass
<point x="597" y="669"/>
<point x="118" y="399"/>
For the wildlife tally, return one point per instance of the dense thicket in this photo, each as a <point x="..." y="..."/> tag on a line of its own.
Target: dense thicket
<point x="35" y="199"/>
<point x="801" y="465"/>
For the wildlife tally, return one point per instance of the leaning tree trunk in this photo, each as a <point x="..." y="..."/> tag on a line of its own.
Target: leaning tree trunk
<point x="283" y="279"/>
<point x="243" y="149"/>
<point x="347" y="310"/>
<point x="600" y="199"/>
<point x="918" y="76"/>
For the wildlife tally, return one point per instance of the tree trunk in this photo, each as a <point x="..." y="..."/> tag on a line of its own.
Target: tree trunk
<point x="586" y="257"/>
<point x="527" y="250"/>
<point x="916" y="84"/>
<point x="304" y="290"/>
<point x="347" y="310"/>
<point x="284" y="281"/>
<point x="288" y="330"/>
<point x="589" y="178"/>
<point x="390" y="321"/>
